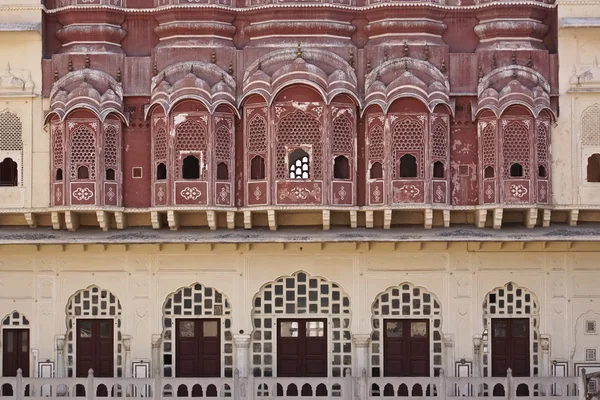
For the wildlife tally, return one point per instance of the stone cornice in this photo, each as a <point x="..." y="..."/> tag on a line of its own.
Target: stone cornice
<point x="242" y="10"/>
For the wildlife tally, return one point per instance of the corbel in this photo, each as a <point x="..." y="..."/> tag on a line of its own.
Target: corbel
<point x="546" y="218"/>
<point x="55" y="218"/>
<point x="211" y="217"/>
<point x="531" y="217"/>
<point x="272" y="217"/>
<point x="230" y="220"/>
<point x="247" y="219"/>
<point x="155" y="219"/>
<point x="31" y="219"/>
<point x="387" y="218"/>
<point x="326" y="220"/>
<point x="480" y="217"/>
<point x="369" y="218"/>
<point x="72" y="220"/>
<point x="103" y="222"/>
<point x="498" y="212"/>
<point x="173" y="219"/>
<point x="121" y="220"/>
<point x="428" y="218"/>
<point x="573" y="217"/>
<point x="446" y="215"/>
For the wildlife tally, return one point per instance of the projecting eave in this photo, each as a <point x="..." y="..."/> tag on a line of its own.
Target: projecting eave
<point x="459" y="234"/>
<point x="591" y="22"/>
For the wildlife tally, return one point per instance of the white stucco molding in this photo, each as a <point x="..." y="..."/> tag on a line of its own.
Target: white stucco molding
<point x="586" y="22"/>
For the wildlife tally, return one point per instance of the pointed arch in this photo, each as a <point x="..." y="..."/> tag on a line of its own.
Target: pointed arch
<point x="14" y="319"/>
<point x="93" y="303"/>
<point x="313" y="296"/>
<point x="406" y="301"/>
<point x="196" y="301"/>
<point x="512" y="300"/>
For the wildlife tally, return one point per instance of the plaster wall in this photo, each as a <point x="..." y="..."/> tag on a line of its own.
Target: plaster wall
<point x="579" y="86"/>
<point x="38" y="283"/>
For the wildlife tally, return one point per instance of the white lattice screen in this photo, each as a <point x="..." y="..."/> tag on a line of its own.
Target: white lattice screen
<point x="11" y="140"/>
<point x="406" y="301"/>
<point x="13" y="319"/>
<point x="508" y="301"/>
<point x="196" y="301"/>
<point x="590" y="126"/>
<point x="93" y="303"/>
<point x="300" y="295"/>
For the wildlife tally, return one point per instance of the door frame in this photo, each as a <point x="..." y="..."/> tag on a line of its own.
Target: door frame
<point x="29" y="353"/>
<point x="430" y="330"/>
<point x="173" y="328"/>
<point x="116" y="341"/>
<point x="408" y="318"/>
<point x="490" y="341"/>
<point x="291" y="318"/>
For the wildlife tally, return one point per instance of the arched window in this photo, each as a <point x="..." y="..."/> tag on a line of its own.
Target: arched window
<point x="222" y="172"/>
<point x="190" y="168"/>
<point x="542" y="172"/>
<point x="376" y="171"/>
<point x="341" y="168"/>
<point x="59" y="174"/>
<point x="299" y="165"/>
<point x="83" y="172"/>
<point x="593" y="168"/>
<point x="161" y="172"/>
<point x="408" y="166"/>
<point x="8" y="172"/>
<point x="489" y="172"/>
<point x="257" y="168"/>
<point x="438" y="169"/>
<point x="110" y="174"/>
<point x="516" y="170"/>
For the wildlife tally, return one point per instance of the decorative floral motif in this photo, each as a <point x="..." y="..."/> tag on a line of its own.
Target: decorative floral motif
<point x="410" y="189"/>
<point x="318" y="111"/>
<point x="257" y="193"/>
<point x="489" y="191"/>
<point x="518" y="190"/>
<point x="300" y="193"/>
<point x="439" y="193"/>
<point x="83" y="194"/>
<point x="224" y="193"/>
<point x="58" y="194"/>
<point x="543" y="193"/>
<point x="342" y="193"/>
<point x="191" y="193"/>
<point x="160" y="194"/>
<point x="279" y="111"/>
<point x="377" y="194"/>
<point x="111" y="194"/>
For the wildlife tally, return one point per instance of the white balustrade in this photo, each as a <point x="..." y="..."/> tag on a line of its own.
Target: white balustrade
<point x="270" y="388"/>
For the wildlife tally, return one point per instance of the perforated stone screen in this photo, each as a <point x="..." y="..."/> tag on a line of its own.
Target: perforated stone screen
<point x="439" y="142"/>
<point x="299" y="128"/>
<point x="507" y="301"/>
<point x="58" y="150"/>
<point x="13" y="319"/>
<point x="343" y="136"/>
<point x="516" y="145"/>
<point x="111" y="146"/>
<point x="300" y="295"/>
<point x="93" y="303"/>
<point x="376" y="145"/>
<point x="406" y="301"/>
<point x="190" y="137"/>
<point x="257" y="135"/>
<point x="408" y="137"/>
<point x="196" y="301"/>
<point x="590" y="126"/>
<point x="489" y="144"/>
<point x="83" y="150"/>
<point x="11" y="137"/>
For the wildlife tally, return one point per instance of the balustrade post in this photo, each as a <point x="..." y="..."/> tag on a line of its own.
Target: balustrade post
<point x="156" y="361"/>
<point x="347" y="385"/>
<point x="157" y="390"/>
<point x="363" y="386"/>
<point x="509" y="385"/>
<point x="251" y="390"/>
<point x="582" y="386"/>
<point x="19" y="385"/>
<point x="60" y="361"/>
<point x="442" y="390"/>
<point x="90" y="390"/>
<point x="361" y="348"/>
<point x="236" y="384"/>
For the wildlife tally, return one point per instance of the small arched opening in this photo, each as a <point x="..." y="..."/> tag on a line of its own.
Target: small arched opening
<point x="110" y="174"/>
<point x="516" y="170"/>
<point x="341" y="168"/>
<point x="222" y="172"/>
<point x="376" y="171"/>
<point x="488" y="172"/>
<point x="299" y="164"/>
<point x="593" y="168"/>
<point x="161" y="172"/>
<point x="8" y="172"/>
<point x="83" y="172"/>
<point x="438" y="170"/>
<point x="190" y="168"/>
<point x="408" y="166"/>
<point x="257" y="168"/>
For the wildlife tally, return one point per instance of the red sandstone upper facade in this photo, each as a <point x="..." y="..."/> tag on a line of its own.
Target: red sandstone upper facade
<point x="165" y="103"/>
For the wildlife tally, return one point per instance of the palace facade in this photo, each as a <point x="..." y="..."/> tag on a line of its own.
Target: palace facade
<point x="352" y="199"/>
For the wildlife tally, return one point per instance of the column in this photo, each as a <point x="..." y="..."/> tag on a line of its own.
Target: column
<point x="476" y="356"/>
<point x="242" y="350"/>
<point x="60" y="359"/>
<point x="361" y="346"/>
<point x="449" y="354"/>
<point x="127" y="361"/>
<point x="545" y="344"/>
<point x="156" y="364"/>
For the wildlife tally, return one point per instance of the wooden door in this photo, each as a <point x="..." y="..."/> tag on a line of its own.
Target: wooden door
<point x="198" y="348"/>
<point x="15" y="355"/>
<point x="510" y="349"/>
<point x="95" y="347"/>
<point x="406" y="347"/>
<point x="302" y="347"/>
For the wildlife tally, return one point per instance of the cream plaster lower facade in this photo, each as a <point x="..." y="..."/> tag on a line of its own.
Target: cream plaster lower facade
<point x="39" y="282"/>
<point x="21" y="110"/>
<point x="579" y="82"/>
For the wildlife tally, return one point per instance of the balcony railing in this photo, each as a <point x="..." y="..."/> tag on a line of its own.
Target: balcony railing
<point x="267" y="388"/>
